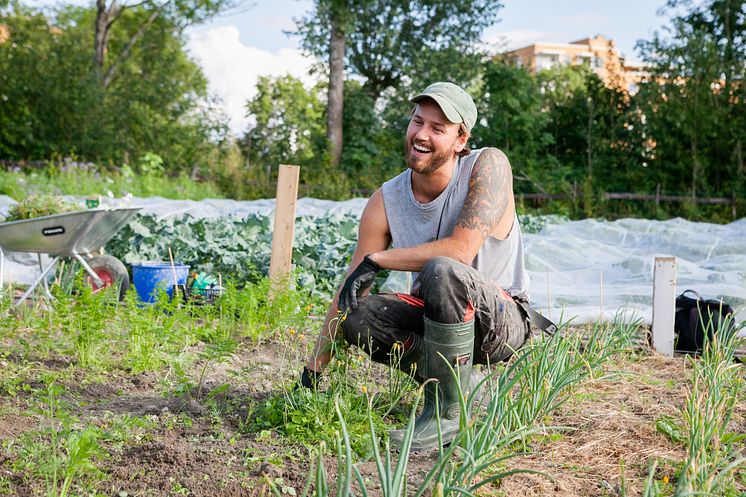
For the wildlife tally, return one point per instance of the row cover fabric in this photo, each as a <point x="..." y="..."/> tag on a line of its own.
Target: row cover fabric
<point x="580" y="270"/>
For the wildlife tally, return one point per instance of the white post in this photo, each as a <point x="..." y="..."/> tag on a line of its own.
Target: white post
<point x="664" y="304"/>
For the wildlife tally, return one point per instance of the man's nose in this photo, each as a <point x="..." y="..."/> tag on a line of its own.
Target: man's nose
<point x="422" y="134"/>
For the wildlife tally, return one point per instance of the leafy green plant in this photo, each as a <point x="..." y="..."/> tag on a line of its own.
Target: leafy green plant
<point x="671" y="428"/>
<point x="63" y="455"/>
<point x="241" y="247"/>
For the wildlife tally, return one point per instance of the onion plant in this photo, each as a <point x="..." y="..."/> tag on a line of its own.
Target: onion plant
<point x="519" y="396"/>
<point x="713" y="453"/>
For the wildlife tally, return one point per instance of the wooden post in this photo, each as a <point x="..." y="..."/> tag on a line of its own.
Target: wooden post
<point x="282" y="237"/>
<point x="664" y="304"/>
<point x="658" y="196"/>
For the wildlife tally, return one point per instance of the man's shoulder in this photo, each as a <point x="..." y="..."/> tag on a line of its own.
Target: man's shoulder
<point x="490" y="154"/>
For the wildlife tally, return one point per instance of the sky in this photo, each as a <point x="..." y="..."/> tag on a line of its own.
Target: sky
<point x="235" y="49"/>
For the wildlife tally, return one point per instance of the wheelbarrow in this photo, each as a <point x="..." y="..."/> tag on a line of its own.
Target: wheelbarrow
<point x="73" y="234"/>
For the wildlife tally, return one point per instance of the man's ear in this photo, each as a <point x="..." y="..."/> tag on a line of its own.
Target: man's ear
<point x="461" y="141"/>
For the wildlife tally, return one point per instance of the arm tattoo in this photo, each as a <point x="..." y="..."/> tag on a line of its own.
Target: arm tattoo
<point x="489" y="187"/>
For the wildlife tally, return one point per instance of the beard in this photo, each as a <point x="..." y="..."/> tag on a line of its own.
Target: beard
<point x="427" y="165"/>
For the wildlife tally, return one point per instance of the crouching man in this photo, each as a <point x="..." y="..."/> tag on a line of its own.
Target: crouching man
<point x="450" y="219"/>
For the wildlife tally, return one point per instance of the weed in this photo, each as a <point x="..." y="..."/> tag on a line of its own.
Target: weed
<point x="59" y="453"/>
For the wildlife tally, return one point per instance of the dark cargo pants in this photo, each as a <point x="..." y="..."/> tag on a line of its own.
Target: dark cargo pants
<point x="450" y="292"/>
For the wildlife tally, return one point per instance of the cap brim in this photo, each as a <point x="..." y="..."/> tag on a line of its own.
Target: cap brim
<point x="449" y="110"/>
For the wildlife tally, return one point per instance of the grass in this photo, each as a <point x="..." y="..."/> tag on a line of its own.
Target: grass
<point x="94" y="181"/>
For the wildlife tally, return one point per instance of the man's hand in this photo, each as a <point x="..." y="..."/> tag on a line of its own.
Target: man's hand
<point x="357" y="282"/>
<point x="308" y="379"/>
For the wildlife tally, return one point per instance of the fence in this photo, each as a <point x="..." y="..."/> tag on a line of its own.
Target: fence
<point x="658" y="197"/>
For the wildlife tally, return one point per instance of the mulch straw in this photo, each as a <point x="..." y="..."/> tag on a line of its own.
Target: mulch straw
<point x="614" y="421"/>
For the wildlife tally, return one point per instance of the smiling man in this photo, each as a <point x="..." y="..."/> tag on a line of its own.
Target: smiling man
<point x="450" y="219"/>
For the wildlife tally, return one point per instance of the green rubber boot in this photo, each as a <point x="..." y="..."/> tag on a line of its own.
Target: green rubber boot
<point x="455" y="343"/>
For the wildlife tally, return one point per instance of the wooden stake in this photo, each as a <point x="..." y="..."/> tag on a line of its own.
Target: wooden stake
<point x="664" y="304"/>
<point x="282" y="237"/>
<point x="173" y="266"/>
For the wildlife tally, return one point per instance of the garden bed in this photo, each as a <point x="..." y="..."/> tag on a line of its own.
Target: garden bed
<point x="104" y="399"/>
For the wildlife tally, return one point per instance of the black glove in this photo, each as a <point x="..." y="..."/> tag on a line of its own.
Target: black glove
<point x="358" y="281"/>
<point x="308" y="379"/>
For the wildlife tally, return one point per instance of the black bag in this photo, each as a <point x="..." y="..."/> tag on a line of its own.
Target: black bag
<point x="696" y="316"/>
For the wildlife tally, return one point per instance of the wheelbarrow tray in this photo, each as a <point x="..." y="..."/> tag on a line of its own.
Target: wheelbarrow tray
<point x="67" y="234"/>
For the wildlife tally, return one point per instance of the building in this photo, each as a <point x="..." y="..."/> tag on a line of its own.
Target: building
<point x="4" y="33"/>
<point x="598" y="53"/>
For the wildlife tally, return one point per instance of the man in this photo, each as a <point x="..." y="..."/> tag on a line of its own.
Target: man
<point x="449" y="218"/>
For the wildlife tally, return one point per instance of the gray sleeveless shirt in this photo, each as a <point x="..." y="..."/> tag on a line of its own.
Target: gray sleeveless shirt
<point x="413" y="223"/>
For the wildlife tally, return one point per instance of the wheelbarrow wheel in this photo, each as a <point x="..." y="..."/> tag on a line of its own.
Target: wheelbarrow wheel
<point x="111" y="271"/>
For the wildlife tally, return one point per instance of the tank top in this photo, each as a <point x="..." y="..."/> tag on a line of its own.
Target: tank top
<point x="413" y="223"/>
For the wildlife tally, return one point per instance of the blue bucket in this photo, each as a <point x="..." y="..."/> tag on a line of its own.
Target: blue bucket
<point x="148" y="277"/>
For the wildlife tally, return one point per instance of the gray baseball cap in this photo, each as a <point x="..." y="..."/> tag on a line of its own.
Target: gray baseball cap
<point x="455" y="103"/>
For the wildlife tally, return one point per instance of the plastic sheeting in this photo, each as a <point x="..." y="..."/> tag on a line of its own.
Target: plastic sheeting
<point x="582" y="270"/>
<point x="592" y="267"/>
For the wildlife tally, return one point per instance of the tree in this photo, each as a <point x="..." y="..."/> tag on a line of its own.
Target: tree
<point x="46" y="89"/>
<point x="288" y="125"/>
<point x="695" y="99"/>
<point x="511" y="111"/>
<point x="51" y="102"/>
<point x="338" y="15"/>
<point x="388" y="44"/>
<point x="177" y="13"/>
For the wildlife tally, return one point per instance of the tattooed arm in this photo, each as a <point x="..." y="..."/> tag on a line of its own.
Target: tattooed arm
<point x="489" y="210"/>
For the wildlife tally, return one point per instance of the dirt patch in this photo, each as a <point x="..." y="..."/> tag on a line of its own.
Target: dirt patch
<point x="13" y="425"/>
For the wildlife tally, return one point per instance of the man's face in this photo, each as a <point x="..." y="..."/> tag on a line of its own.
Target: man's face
<point x="431" y="140"/>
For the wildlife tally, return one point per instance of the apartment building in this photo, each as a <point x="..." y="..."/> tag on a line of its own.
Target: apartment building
<point x="598" y="53"/>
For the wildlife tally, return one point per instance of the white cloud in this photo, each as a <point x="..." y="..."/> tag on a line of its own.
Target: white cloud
<point x="233" y="69"/>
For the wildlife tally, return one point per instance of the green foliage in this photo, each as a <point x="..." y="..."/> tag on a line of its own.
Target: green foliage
<point x="63" y="455"/>
<point x="671" y="428"/>
<point x="288" y="125"/>
<point x="512" y="120"/>
<point x="311" y="416"/>
<point x="52" y="102"/>
<point x="714" y="453"/>
<point x="695" y="101"/>
<point x="241" y="247"/>
<point x="45" y="97"/>
<point x="362" y="153"/>
<point x="39" y="205"/>
<point x="385" y="39"/>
